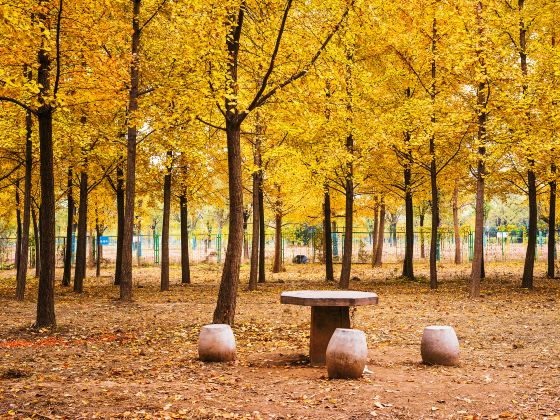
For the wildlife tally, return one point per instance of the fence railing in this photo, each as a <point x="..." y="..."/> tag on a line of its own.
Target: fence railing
<point x="211" y="248"/>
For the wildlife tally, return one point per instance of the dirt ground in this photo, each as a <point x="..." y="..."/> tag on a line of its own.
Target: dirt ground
<point x="139" y="360"/>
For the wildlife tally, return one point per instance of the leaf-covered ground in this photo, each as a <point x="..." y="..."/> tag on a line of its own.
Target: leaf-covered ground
<point x="139" y="360"/>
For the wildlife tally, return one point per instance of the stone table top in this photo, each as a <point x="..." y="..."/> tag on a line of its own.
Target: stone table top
<point x="328" y="298"/>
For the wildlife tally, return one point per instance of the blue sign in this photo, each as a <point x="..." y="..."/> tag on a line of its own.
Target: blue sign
<point x="104" y="240"/>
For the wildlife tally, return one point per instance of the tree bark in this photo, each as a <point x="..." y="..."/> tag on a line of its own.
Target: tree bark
<point x="132" y="134"/>
<point x="528" y="268"/>
<point x="185" y="263"/>
<point x="120" y="223"/>
<point x="45" y="301"/>
<point x="379" y="250"/>
<point x="24" y="256"/>
<point x="227" y="295"/>
<point x="327" y="243"/>
<point x="482" y="102"/>
<point x="255" y="239"/>
<point x="18" y="227"/>
<point x="456" y="232"/>
<point x="433" y="169"/>
<point x="21" y="279"/>
<point x="262" y="234"/>
<point x="98" y="234"/>
<point x="164" y="286"/>
<point x="36" y="238"/>
<point x="277" y="264"/>
<point x="422" y="237"/>
<point x="375" y="232"/>
<point x="81" y="242"/>
<point x="551" y="225"/>
<point x="408" y="268"/>
<point x="66" y="277"/>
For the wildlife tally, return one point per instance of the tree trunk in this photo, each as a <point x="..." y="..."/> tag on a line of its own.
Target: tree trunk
<point x="379" y="250"/>
<point x="422" y="237"/>
<point x="18" y="227"/>
<point x="81" y="242"/>
<point x="408" y="268"/>
<point x="435" y="224"/>
<point x="37" y="239"/>
<point x="551" y="225"/>
<point x="327" y="243"/>
<point x="456" y="223"/>
<point x="482" y="102"/>
<point x="227" y="295"/>
<point x="375" y="233"/>
<point x="66" y="277"/>
<point x="185" y="263"/>
<point x="24" y="256"/>
<point x="253" y="272"/>
<point x="348" y="221"/>
<point x="165" y="226"/>
<point x="98" y="243"/>
<point x="262" y="234"/>
<point x="246" y="215"/>
<point x="120" y="223"/>
<point x="45" y="302"/>
<point x="531" y="231"/>
<point x="132" y="134"/>
<point x="433" y="169"/>
<point x="277" y="264"/>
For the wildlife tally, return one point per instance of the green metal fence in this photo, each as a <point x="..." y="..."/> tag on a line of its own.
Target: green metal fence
<point x="211" y="248"/>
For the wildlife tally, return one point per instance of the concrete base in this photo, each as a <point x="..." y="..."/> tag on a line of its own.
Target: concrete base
<point x="347" y="354"/>
<point x="216" y="343"/>
<point x="324" y="321"/>
<point x="440" y="346"/>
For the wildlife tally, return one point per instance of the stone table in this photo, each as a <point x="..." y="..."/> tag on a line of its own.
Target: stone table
<point x="329" y="311"/>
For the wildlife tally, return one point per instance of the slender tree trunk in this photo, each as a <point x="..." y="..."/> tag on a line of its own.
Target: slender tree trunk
<point x="165" y="226"/>
<point x="456" y="223"/>
<point x="375" y="233"/>
<point x="37" y="239"/>
<point x="253" y="272"/>
<point x="185" y="263"/>
<point x="81" y="242"/>
<point x="379" y="250"/>
<point x="120" y="223"/>
<point x="18" y="227"/>
<point x="422" y="237"/>
<point x="262" y="234"/>
<point x="66" y="277"/>
<point x="551" y="224"/>
<point x="433" y="169"/>
<point x="329" y="272"/>
<point x="90" y="246"/>
<point x="482" y="102"/>
<point x="24" y="256"/>
<point x="132" y="134"/>
<point x="532" y="231"/>
<point x="349" y="221"/>
<point x="227" y="295"/>
<point x="408" y="268"/>
<point x="528" y="268"/>
<point x="277" y="264"/>
<point x="98" y="243"/>
<point x="246" y="215"/>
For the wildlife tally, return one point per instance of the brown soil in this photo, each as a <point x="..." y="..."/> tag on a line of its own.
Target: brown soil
<point x="113" y="360"/>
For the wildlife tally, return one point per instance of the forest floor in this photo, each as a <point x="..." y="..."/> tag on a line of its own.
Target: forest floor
<point x="111" y="360"/>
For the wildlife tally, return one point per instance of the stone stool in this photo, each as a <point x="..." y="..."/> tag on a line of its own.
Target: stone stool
<point x="346" y="354"/>
<point x="440" y="346"/>
<point x="216" y="343"/>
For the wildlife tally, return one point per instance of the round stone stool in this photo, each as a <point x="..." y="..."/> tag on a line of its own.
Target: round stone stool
<point x="440" y="346"/>
<point x="346" y="354"/>
<point x="216" y="343"/>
